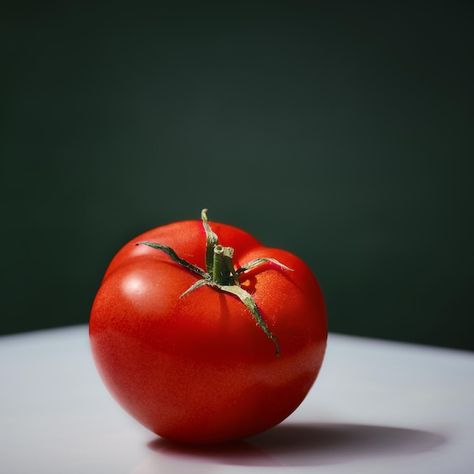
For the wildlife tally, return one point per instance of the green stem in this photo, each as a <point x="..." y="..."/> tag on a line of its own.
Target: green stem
<point x="223" y="272"/>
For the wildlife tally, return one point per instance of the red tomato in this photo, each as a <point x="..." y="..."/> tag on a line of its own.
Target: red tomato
<point x="198" y="368"/>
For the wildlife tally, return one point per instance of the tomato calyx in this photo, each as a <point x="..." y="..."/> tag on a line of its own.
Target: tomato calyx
<point x="221" y="274"/>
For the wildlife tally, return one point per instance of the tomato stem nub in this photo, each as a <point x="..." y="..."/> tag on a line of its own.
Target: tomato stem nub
<point x="221" y="274"/>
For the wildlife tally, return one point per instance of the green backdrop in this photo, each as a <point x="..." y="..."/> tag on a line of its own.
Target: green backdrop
<point x="340" y="131"/>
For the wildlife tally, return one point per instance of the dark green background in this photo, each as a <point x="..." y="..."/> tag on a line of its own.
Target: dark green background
<point x="340" y="131"/>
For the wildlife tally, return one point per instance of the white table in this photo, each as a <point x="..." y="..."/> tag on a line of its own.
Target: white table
<point x="377" y="407"/>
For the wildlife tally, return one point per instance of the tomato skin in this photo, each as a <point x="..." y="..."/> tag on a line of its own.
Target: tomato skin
<point x="198" y="369"/>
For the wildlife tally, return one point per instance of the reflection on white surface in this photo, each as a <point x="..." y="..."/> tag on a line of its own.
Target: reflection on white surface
<point x="377" y="407"/>
<point x="292" y="445"/>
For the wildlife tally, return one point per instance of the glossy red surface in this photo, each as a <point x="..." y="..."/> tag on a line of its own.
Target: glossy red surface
<point x="198" y="369"/>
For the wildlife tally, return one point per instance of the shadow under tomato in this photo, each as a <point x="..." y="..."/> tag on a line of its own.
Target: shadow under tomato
<point x="299" y="444"/>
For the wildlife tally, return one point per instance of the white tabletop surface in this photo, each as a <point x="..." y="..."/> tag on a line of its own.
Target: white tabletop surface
<point x="377" y="407"/>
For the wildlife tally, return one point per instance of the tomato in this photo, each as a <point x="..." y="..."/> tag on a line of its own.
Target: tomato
<point x="205" y="335"/>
